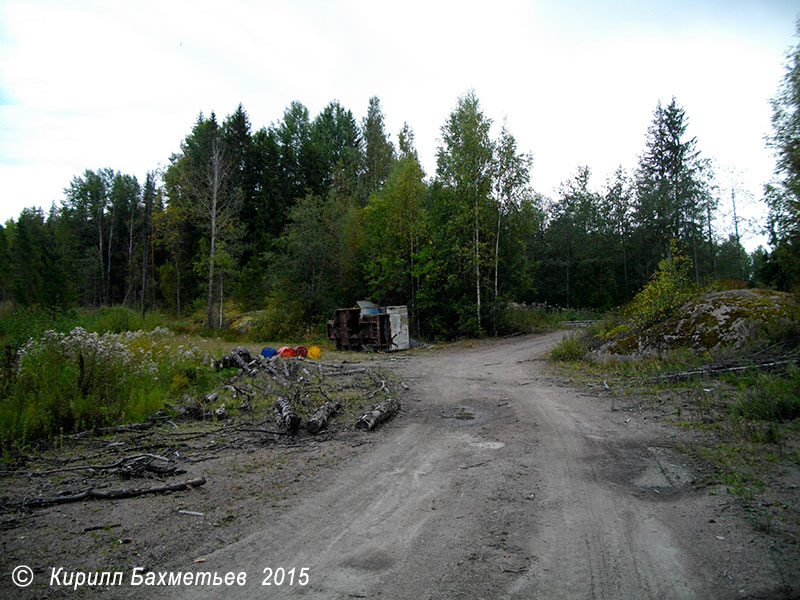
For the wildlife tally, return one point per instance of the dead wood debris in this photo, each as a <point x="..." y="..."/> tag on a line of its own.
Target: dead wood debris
<point x="139" y="461"/>
<point x="379" y="413"/>
<point x="96" y="494"/>
<point x="713" y="370"/>
<point x="86" y="465"/>
<point x="319" y="420"/>
<point x="294" y="380"/>
<point x="288" y="416"/>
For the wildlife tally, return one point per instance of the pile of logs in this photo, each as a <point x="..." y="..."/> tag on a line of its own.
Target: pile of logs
<point x="290" y="373"/>
<point x="301" y="388"/>
<point x="239" y="357"/>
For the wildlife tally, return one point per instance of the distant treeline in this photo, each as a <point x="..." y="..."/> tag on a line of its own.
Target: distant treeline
<point x="309" y="214"/>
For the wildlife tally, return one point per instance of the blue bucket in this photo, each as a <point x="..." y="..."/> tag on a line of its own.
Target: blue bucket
<point x="268" y="352"/>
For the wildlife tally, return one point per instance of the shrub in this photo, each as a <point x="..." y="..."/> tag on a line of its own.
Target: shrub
<point x="117" y="319"/>
<point x="281" y="319"/>
<point x="770" y="398"/>
<point x="569" y="349"/>
<point x="18" y="325"/>
<point x="668" y="289"/>
<point x="536" y="318"/>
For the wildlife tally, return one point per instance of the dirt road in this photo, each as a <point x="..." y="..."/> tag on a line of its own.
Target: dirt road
<point x="498" y="483"/>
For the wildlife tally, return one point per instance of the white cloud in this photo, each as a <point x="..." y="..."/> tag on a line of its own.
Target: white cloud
<point x="119" y="84"/>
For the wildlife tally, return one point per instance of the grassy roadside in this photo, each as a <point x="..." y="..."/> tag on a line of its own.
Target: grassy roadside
<point x="743" y="420"/>
<point x="71" y="370"/>
<point x="68" y="371"/>
<point x="537" y="318"/>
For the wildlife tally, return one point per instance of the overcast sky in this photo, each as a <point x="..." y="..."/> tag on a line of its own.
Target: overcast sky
<point x="119" y="84"/>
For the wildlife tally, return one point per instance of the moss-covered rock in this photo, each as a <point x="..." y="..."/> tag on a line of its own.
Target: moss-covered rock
<point x="244" y="322"/>
<point x="714" y="320"/>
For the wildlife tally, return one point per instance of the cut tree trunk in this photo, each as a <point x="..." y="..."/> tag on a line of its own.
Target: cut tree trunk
<point x="288" y="417"/>
<point x="379" y="413"/>
<point x="319" y="420"/>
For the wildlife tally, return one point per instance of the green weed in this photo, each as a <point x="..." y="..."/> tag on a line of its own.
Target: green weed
<point x="66" y="382"/>
<point x="767" y="397"/>
<point x="570" y="349"/>
<point x="116" y="319"/>
<point x="534" y="319"/>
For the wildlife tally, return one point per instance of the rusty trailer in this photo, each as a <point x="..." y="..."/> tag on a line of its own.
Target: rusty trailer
<point x="370" y="327"/>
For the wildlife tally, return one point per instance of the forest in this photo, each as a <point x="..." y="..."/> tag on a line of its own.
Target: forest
<point x="308" y="214"/>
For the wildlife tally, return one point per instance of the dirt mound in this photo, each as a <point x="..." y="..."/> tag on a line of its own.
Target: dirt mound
<point x="714" y="320"/>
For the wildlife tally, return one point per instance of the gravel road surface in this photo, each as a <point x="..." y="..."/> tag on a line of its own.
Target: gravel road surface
<point x="498" y="482"/>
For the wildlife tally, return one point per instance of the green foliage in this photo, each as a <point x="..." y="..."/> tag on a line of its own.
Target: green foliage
<point x="378" y="150"/>
<point x="316" y="212"/>
<point x="673" y="191"/>
<point x="783" y="195"/>
<point x="336" y="148"/>
<point x="18" y="325"/>
<point x="79" y="380"/>
<point x="766" y="397"/>
<point x="464" y="164"/>
<point x="117" y="319"/>
<point x="281" y="319"/>
<point x="534" y="319"/>
<point x="37" y="272"/>
<point x="669" y="288"/>
<point x="320" y="265"/>
<point x="785" y="138"/>
<point x="252" y="285"/>
<point x="570" y="349"/>
<point x="394" y="225"/>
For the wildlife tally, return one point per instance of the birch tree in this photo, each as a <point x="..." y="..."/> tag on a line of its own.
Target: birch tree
<point x="464" y="166"/>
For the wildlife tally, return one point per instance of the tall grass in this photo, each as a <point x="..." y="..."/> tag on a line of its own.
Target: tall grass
<point x="768" y="397"/>
<point x="65" y="382"/>
<point x="19" y="324"/>
<point x="570" y="349"/>
<point x="537" y="318"/>
<point x="116" y="319"/>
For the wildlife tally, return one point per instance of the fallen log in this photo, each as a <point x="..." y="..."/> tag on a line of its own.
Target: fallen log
<point x="319" y="420"/>
<point x="115" y="429"/>
<point x="94" y="494"/>
<point x="379" y="413"/>
<point x="713" y="370"/>
<point x="288" y="417"/>
<point x="127" y="461"/>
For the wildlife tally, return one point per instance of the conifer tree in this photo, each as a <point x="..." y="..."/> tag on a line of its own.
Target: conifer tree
<point x="783" y="194"/>
<point x="671" y="190"/>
